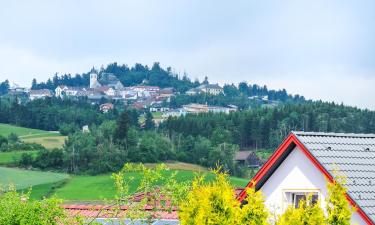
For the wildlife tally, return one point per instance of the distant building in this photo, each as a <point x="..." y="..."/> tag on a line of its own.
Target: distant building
<point x="110" y="80"/>
<point x="106" y="107"/>
<point x="158" y="108"/>
<point x="59" y="91"/>
<point x="40" y="94"/>
<point x="212" y="89"/>
<point x="107" y="79"/>
<point x="94" y="81"/>
<point x="85" y="129"/>
<point x="174" y="113"/>
<point x="167" y="92"/>
<point x="248" y="159"/>
<point x="193" y="91"/>
<point x="195" y="108"/>
<point x="66" y="91"/>
<point x="200" y="108"/>
<point x="15" y="89"/>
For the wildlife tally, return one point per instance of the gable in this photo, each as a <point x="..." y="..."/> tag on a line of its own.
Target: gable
<point x="350" y="165"/>
<point x="295" y="173"/>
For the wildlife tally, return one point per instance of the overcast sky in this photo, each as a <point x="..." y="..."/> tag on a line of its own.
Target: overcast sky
<point x="322" y="49"/>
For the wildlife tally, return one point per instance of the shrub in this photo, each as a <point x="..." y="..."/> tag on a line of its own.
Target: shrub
<point x="216" y="203"/>
<point x="17" y="209"/>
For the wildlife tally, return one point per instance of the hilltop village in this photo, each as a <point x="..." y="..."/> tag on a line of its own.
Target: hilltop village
<point x="108" y="89"/>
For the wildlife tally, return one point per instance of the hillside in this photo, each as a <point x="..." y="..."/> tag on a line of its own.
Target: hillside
<point x="48" y="139"/>
<point x="165" y="77"/>
<point x="87" y="188"/>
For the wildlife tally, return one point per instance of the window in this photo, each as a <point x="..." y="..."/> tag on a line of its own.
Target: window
<point x="294" y="197"/>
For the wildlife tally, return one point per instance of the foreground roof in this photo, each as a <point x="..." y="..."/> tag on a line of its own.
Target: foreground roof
<point x="351" y="154"/>
<point x="107" y="214"/>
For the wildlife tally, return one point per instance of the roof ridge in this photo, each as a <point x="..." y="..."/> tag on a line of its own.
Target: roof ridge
<point x="332" y="134"/>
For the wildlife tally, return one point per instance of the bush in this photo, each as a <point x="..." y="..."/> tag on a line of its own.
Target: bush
<point x="66" y="129"/>
<point x="13" y="138"/>
<point x="216" y="203"/>
<point x="26" y="160"/>
<point x="16" y="209"/>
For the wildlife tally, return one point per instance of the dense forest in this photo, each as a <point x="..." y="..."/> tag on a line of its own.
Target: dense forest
<point x="264" y="128"/>
<point x="51" y="113"/>
<point x="204" y="139"/>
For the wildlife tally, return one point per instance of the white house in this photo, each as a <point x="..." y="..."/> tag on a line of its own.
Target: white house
<point x="60" y="90"/>
<point x="212" y="89"/>
<point x="40" y="94"/>
<point x="306" y="161"/>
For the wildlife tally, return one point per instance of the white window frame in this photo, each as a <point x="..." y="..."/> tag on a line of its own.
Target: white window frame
<point x="289" y="198"/>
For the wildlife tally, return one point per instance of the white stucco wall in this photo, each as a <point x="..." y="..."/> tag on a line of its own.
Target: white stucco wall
<point x="298" y="173"/>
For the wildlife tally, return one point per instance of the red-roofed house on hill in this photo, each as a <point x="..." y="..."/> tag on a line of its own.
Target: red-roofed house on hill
<point x="106" y="107"/>
<point x="306" y="161"/>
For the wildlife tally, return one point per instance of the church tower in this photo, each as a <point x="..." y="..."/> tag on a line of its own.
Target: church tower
<point x="94" y="80"/>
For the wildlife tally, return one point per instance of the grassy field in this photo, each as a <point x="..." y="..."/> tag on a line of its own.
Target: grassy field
<point x="91" y="188"/>
<point x="7" y="158"/>
<point x="48" y="139"/>
<point x="83" y="188"/>
<point x="49" y="142"/>
<point x="22" y="179"/>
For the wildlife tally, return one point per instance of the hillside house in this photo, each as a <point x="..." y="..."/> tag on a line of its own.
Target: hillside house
<point x="40" y="94"/>
<point x="212" y="89"/>
<point x="66" y="91"/>
<point x="193" y="91"/>
<point x="306" y="161"/>
<point x="15" y="89"/>
<point x="248" y="159"/>
<point x="195" y="108"/>
<point x="106" y="107"/>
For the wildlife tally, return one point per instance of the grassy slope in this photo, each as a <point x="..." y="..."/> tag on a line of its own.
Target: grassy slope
<point x="22" y="179"/>
<point x="81" y="188"/>
<point x="86" y="188"/>
<point x="48" y="139"/>
<point x="7" y="158"/>
<point x="6" y="129"/>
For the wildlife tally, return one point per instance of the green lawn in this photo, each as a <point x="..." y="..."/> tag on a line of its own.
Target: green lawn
<point x="6" y="129"/>
<point x="48" y="139"/>
<point x="22" y="179"/>
<point x="88" y="188"/>
<point x="83" y="188"/>
<point x="7" y="158"/>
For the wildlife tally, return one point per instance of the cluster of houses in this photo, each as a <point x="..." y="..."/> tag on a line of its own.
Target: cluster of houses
<point x="110" y="87"/>
<point x="141" y="96"/>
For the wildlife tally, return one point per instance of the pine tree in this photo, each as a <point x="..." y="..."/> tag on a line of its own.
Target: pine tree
<point x="149" y="122"/>
<point x="122" y="127"/>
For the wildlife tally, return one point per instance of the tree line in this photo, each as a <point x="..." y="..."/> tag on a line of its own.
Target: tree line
<point x="265" y="128"/>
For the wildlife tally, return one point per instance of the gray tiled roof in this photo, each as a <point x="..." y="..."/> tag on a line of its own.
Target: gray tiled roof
<point x="351" y="154"/>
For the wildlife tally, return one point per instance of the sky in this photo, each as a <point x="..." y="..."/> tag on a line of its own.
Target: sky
<point x="322" y="49"/>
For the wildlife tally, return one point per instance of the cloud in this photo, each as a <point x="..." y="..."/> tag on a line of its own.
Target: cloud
<point x="324" y="50"/>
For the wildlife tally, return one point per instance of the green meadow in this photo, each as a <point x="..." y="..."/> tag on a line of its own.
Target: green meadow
<point x="48" y="139"/>
<point x="77" y="188"/>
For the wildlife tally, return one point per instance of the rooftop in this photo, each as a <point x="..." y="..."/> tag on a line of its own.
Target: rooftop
<point x="350" y="154"/>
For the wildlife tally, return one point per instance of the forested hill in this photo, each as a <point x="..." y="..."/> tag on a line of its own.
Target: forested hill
<point x="265" y="128"/>
<point x="158" y="76"/>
